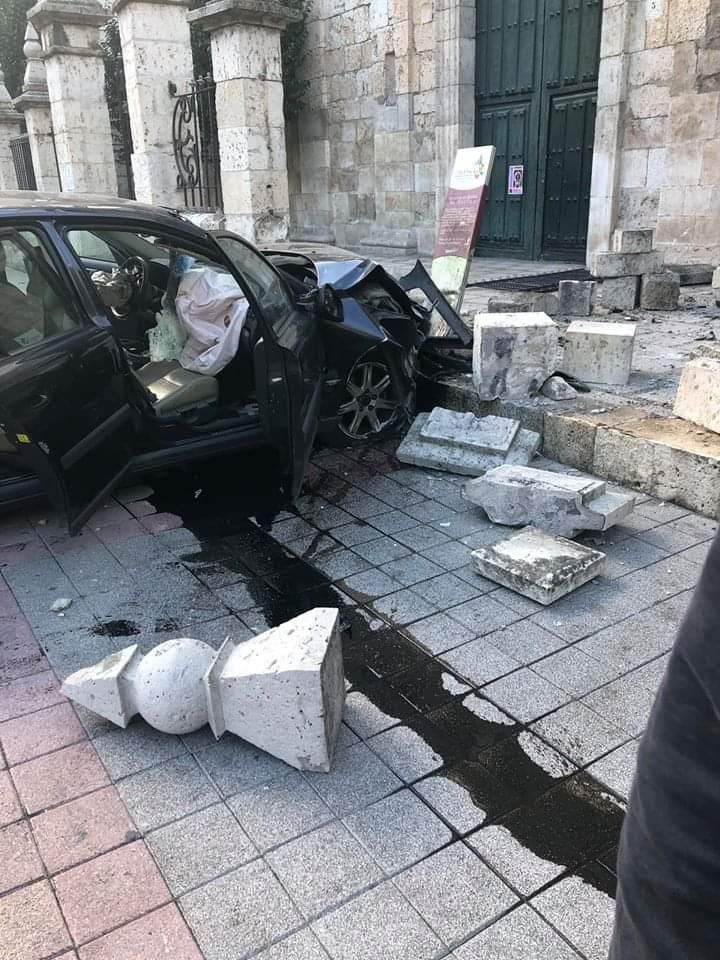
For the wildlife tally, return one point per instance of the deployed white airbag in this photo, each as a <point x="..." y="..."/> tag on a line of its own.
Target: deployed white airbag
<point x="212" y="309"/>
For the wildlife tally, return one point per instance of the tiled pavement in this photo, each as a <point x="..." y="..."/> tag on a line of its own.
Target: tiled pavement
<point x="474" y="806"/>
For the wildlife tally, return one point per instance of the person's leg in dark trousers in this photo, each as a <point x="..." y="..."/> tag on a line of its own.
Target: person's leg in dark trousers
<point x="668" y="902"/>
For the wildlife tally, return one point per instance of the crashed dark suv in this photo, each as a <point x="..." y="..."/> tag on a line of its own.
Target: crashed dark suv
<point x="131" y="339"/>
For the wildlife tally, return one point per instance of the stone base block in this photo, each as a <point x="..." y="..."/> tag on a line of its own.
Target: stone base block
<point x="633" y="241"/>
<point x="558" y="503"/>
<point x="624" y="264"/>
<point x="698" y="396"/>
<point x="557" y="388"/>
<point x="576" y="297"/>
<point x="660" y="291"/>
<point x="548" y="303"/>
<point x="513" y="353"/>
<point x="692" y="274"/>
<point x="472" y="453"/>
<point x="599" y="352"/>
<point x="538" y="565"/>
<point x="617" y="294"/>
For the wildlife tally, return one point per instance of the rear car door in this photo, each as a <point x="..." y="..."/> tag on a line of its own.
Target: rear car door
<point x="290" y="363"/>
<point x="63" y="388"/>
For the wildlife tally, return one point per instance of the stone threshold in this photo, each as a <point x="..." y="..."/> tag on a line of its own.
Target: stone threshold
<point x="636" y="445"/>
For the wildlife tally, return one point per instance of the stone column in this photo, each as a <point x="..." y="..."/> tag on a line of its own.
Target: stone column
<point x="9" y="128"/>
<point x="155" y="40"/>
<point x="69" y="32"/>
<point x="34" y="102"/>
<point x="245" y="44"/>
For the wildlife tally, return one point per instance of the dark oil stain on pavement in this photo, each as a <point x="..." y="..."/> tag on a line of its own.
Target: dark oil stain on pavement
<point x="568" y="820"/>
<point x="116" y="628"/>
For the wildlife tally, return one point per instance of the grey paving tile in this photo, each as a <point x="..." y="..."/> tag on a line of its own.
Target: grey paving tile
<point x="521" y="935"/>
<point x="139" y="746"/>
<point x="242" y="596"/>
<point x="525" y="695"/>
<point x="302" y="945"/>
<point x="525" y="641"/>
<point x="668" y="538"/>
<point x="339" y="562"/>
<point x="650" y="674"/>
<point x="428" y="511"/>
<point x="581" y="913"/>
<point x="240" y="913"/>
<point x="346" y="737"/>
<point x="626" y="702"/>
<point x="693" y="525"/>
<point x="450" y="800"/>
<point x="379" y="925"/>
<point x="455" y="893"/>
<point x="320" y="513"/>
<point x="574" y="671"/>
<point x="323" y="869"/>
<point x="488" y="535"/>
<point x="523" y="606"/>
<point x="366" y="718"/>
<point x="660" y="510"/>
<point x="234" y="765"/>
<point x="214" y="632"/>
<point x="398" y="831"/>
<point x="387" y="490"/>
<point x="463" y="524"/>
<point x="439" y="632"/>
<point x="450" y="555"/>
<point x="447" y="590"/>
<point x="200" y="847"/>
<point x="357" y="779"/>
<point x="166" y="792"/>
<point x="294" y="529"/>
<point x="352" y="534"/>
<point x="392" y="522"/>
<point x="360" y="504"/>
<point x="520" y="867"/>
<point x="630" y="554"/>
<point x="697" y="554"/>
<point x="406" y="753"/>
<point x="282" y="810"/>
<point x="421" y="537"/>
<point x="483" y="615"/>
<point x="411" y="569"/>
<point x="580" y="733"/>
<point x="479" y="661"/>
<point x="404" y="606"/>
<point x="617" y="769"/>
<point x="372" y="583"/>
<point x="382" y="550"/>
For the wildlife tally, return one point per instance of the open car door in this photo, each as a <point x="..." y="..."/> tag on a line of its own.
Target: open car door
<point x="63" y="388"/>
<point x="289" y="360"/>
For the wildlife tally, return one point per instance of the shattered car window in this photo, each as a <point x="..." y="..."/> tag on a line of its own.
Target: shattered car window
<point x="266" y="285"/>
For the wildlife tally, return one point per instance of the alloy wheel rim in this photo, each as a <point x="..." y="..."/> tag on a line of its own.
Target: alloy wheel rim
<point x="372" y="405"/>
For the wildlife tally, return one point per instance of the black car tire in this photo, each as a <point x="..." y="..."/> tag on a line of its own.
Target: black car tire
<point x="372" y="411"/>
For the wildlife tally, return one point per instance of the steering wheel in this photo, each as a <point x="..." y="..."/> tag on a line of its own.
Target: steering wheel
<point x="138" y="272"/>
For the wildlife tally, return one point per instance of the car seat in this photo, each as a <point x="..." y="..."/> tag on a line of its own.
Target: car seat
<point x="175" y="389"/>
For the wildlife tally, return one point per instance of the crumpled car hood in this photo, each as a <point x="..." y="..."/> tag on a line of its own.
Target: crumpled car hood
<point x="344" y="274"/>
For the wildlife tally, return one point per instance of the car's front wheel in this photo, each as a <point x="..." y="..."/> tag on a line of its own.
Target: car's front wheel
<point x="370" y="409"/>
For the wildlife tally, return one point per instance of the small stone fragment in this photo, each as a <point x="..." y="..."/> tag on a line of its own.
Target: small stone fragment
<point x="539" y="566"/>
<point x="557" y="388"/>
<point x="597" y="352"/>
<point x="62" y="603"/>
<point x="513" y="353"/>
<point x="660" y="291"/>
<point x="576" y="297"/>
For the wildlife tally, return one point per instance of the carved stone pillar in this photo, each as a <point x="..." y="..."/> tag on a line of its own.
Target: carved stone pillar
<point x="34" y="102"/>
<point x="9" y="128"/>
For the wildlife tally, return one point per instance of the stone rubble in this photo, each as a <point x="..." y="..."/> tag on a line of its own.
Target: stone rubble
<point x="599" y="352"/>
<point x="465" y="444"/>
<point x="559" y="503"/>
<point x="539" y="566"/>
<point x="576" y="297"/>
<point x="557" y="388"/>
<point x="633" y="241"/>
<point x="513" y="353"/>
<point x="660" y="291"/>
<point x="604" y="264"/>
<point x="617" y="294"/>
<point x="698" y="396"/>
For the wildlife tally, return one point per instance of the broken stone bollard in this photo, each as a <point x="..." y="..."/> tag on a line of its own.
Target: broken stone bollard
<point x="466" y="444"/>
<point x="282" y="691"/>
<point x="660" y="291"/>
<point x="513" y="354"/>
<point x="597" y="352"/>
<point x="576" y="297"/>
<point x="698" y="396"/>
<point x="617" y="294"/>
<point x="538" y="565"/>
<point x="557" y="388"/>
<point x="559" y="503"/>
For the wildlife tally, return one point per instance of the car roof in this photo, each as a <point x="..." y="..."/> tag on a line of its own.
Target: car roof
<point x="47" y="206"/>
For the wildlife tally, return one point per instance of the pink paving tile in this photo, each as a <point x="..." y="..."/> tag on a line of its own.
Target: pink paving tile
<point x="18" y="697"/>
<point x="20" y="656"/>
<point x="10" y="809"/>
<point x="82" y="829"/>
<point x="57" y="777"/>
<point x="141" y="508"/>
<point x="23" y="552"/>
<point x="27" y="737"/>
<point x="20" y="860"/>
<point x="14" y="628"/>
<point x="122" y="530"/>
<point x="161" y="935"/>
<point x="160" y="522"/>
<point x="31" y="926"/>
<point x="109" y="891"/>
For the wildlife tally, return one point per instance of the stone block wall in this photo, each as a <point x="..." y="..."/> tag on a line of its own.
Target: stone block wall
<point x="387" y="108"/>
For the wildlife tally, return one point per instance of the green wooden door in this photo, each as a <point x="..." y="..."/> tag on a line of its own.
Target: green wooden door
<point x="536" y="87"/>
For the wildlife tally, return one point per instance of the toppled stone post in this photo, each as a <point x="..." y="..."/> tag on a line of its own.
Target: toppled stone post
<point x="9" y="128"/>
<point x="660" y="291"/>
<point x="34" y="102"/>
<point x="70" y="34"/>
<point x="513" y="354"/>
<point x="597" y="352"/>
<point x="247" y="69"/>
<point x="698" y="396"/>
<point x="155" y="42"/>
<point x="576" y="297"/>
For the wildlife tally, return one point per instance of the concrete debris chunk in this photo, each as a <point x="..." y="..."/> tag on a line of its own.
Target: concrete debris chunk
<point x="698" y="396"/>
<point x="462" y="443"/>
<point x="557" y="388"/>
<point x="513" y="354"/>
<point x="282" y="691"/>
<point x="539" y="566"/>
<point x="660" y="291"/>
<point x="599" y="352"/>
<point x="617" y="294"/>
<point x="559" y="503"/>
<point x="61" y="604"/>
<point x="576" y="297"/>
